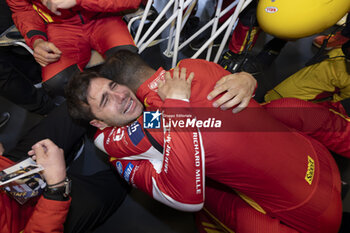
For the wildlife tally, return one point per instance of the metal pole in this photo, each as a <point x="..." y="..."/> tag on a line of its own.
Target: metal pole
<point x="156" y="21"/>
<point x="239" y="8"/>
<point x="143" y="19"/>
<point x="215" y="26"/>
<point x="178" y="30"/>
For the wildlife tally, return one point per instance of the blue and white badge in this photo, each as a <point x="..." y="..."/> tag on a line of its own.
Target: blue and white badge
<point x="151" y="120"/>
<point x="127" y="172"/>
<point x="135" y="133"/>
<point x="119" y="167"/>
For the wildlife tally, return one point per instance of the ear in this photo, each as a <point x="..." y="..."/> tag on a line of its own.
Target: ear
<point x="98" y="124"/>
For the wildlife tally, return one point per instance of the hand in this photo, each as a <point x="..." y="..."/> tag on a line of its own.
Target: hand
<point x="177" y="87"/>
<point x="54" y="5"/>
<point x="238" y="89"/>
<point x="45" y="52"/>
<point x="51" y="157"/>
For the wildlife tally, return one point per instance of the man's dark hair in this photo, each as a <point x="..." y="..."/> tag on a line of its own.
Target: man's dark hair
<point x="76" y="95"/>
<point x="124" y="67"/>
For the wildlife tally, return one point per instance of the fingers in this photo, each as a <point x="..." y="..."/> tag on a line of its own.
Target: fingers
<point x="183" y="73"/>
<point x="167" y="75"/>
<point x="223" y="79"/>
<point x="218" y="89"/>
<point x="39" y="150"/>
<point x="227" y="100"/>
<point x="161" y="84"/>
<point x="190" y="78"/>
<point x="176" y="85"/>
<point x="51" y="157"/>
<point x="176" y="73"/>
<point x="31" y="153"/>
<point x="42" y="147"/>
<point x="46" y="53"/>
<point x="179" y="74"/>
<point x="42" y="46"/>
<point x="52" y="6"/>
<point x="241" y="106"/>
<point x="41" y="60"/>
<point x="236" y="89"/>
<point x="47" y="143"/>
<point x="52" y="47"/>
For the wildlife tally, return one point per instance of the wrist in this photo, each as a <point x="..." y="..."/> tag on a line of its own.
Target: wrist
<point x="182" y="99"/>
<point x="37" y="41"/>
<point x="59" y="191"/>
<point x="54" y="177"/>
<point x="56" y="184"/>
<point x="177" y="97"/>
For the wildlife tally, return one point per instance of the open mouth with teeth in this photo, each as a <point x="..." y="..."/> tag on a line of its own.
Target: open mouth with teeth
<point x="129" y="106"/>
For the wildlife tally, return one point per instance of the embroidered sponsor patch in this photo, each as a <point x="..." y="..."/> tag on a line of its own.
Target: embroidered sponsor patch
<point x="127" y="172"/>
<point x="310" y="170"/>
<point x="118" y="134"/>
<point x="119" y="167"/>
<point x="135" y="133"/>
<point x="151" y="120"/>
<point x="154" y="84"/>
<point x="271" y="9"/>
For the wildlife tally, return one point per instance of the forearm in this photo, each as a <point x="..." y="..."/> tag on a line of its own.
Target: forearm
<point x="32" y="29"/>
<point x="48" y="216"/>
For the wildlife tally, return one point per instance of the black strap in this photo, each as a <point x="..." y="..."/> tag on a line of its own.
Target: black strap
<point x="153" y="141"/>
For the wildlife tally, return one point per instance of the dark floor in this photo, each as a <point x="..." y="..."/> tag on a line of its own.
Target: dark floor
<point x="139" y="213"/>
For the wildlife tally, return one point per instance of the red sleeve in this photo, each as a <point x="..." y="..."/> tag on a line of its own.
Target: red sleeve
<point x="178" y="179"/>
<point x="325" y="125"/>
<point x="108" y="5"/>
<point x="202" y="67"/>
<point x="48" y="216"/>
<point x="28" y="21"/>
<point x="129" y="141"/>
<point x="43" y="216"/>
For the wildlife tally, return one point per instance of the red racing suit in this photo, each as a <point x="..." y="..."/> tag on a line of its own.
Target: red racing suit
<point x="284" y="175"/>
<point x="155" y="173"/>
<point x="37" y="215"/>
<point x="88" y="25"/>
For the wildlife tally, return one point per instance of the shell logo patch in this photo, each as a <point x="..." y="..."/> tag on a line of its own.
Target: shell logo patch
<point x="271" y="9"/>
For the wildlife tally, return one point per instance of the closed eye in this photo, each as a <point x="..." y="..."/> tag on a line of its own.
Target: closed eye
<point x="105" y="97"/>
<point x="113" y="85"/>
<point x="104" y="100"/>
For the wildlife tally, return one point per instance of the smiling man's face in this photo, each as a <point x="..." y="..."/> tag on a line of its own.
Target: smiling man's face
<point x="112" y="104"/>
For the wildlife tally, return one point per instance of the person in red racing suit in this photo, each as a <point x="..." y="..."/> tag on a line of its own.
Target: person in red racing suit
<point x="62" y="34"/>
<point x="40" y="214"/>
<point x="260" y="174"/>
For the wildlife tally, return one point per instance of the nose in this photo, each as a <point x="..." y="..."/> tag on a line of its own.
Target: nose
<point x="119" y="96"/>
